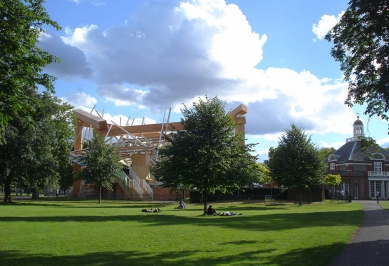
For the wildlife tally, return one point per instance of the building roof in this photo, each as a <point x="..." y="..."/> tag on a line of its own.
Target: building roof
<point x="358" y="122"/>
<point x="351" y="152"/>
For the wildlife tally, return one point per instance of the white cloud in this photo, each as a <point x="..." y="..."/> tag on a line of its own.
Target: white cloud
<point x="169" y="53"/>
<point x="326" y="23"/>
<point x="383" y="142"/>
<point x="73" y="63"/>
<point x="80" y="100"/>
<point x="336" y="145"/>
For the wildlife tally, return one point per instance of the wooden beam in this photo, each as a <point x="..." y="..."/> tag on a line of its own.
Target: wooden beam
<point x="240" y="110"/>
<point x="138" y="129"/>
<point x="95" y="121"/>
<point x="150" y="130"/>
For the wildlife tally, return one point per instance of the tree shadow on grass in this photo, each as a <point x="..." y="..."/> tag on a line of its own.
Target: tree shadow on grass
<point x="89" y="205"/>
<point x="315" y="256"/>
<point x="263" y="222"/>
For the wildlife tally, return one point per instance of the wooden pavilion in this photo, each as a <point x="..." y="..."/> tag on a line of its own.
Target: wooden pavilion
<point x="138" y="146"/>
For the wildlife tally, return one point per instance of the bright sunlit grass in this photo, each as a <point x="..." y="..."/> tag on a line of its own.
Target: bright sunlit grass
<point x="118" y="233"/>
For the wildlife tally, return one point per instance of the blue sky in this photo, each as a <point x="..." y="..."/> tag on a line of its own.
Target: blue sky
<point x="139" y="58"/>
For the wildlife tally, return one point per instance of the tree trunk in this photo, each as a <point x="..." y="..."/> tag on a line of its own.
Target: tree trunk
<point x="205" y="199"/>
<point x="100" y="195"/>
<point x="35" y="194"/>
<point x="7" y="189"/>
<point x="301" y="200"/>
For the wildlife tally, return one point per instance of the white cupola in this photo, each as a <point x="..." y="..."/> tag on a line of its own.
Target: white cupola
<point x="358" y="129"/>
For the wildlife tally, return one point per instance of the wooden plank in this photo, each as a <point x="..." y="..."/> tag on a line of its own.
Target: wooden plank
<point x="93" y="120"/>
<point x="138" y="129"/>
<point x="240" y="110"/>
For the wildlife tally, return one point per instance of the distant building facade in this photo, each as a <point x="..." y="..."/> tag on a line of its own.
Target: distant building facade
<point x="363" y="173"/>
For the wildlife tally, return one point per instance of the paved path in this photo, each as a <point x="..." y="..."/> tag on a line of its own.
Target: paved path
<point x="370" y="246"/>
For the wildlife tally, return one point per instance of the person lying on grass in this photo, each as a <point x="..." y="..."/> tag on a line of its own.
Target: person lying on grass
<point x="151" y="210"/>
<point x="229" y="214"/>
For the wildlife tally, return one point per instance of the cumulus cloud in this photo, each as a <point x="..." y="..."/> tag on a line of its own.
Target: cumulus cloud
<point x="80" y="100"/>
<point x="326" y="23"/>
<point x="73" y="63"/>
<point x="177" y="50"/>
<point x="172" y="52"/>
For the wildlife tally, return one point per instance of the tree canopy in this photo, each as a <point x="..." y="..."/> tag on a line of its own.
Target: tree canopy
<point x="332" y="180"/>
<point x="30" y="156"/>
<point x="361" y="46"/>
<point x="206" y="155"/>
<point x="21" y="62"/>
<point x="296" y="162"/>
<point x="264" y="175"/>
<point x="100" y="164"/>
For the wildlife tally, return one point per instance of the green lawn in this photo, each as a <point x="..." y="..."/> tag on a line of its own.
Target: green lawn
<point x="118" y="233"/>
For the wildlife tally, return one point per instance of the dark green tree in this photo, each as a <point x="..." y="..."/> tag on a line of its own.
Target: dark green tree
<point x="361" y="46"/>
<point x="206" y="155"/>
<point x="31" y="155"/>
<point x="100" y="164"/>
<point x="21" y="62"/>
<point x="296" y="162"/>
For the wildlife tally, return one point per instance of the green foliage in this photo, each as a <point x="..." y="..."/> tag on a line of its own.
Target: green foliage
<point x="296" y="161"/>
<point x="325" y="152"/>
<point x="264" y="171"/>
<point x="207" y="154"/>
<point x="100" y="164"/>
<point x="21" y="62"/>
<point x="361" y="46"/>
<point x="332" y="180"/>
<point x="31" y="156"/>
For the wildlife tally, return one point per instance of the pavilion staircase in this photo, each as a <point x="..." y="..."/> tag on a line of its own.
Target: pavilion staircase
<point x="134" y="187"/>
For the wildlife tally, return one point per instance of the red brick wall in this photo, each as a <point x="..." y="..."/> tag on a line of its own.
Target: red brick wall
<point x="161" y="193"/>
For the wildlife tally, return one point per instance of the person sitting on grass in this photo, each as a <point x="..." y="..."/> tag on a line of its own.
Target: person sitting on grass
<point x="181" y="205"/>
<point x="211" y="211"/>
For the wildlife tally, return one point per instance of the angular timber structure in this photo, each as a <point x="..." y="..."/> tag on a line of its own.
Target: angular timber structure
<point x="138" y="146"/>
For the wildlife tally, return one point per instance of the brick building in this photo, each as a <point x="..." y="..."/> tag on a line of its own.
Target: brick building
<point x="363" y="173"/>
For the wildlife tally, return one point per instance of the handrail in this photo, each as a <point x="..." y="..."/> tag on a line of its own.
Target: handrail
<point x="131" y="184"/>
<point x="377" y="173"/>
<point x="147" y="187"/>
<point x="142" y="183"/>
<point x="136" y="182"/>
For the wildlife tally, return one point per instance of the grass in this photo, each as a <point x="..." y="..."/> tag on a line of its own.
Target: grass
<point x="384" y="205"/>
<point x="118" y="233"/>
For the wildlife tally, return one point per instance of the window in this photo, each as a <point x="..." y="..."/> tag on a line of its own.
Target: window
<point x="332" y="167"/>
<point x="344" y="187"/>
<point x="374" y="186"/>
<point x="356" y="191"/>
<point x="377" y="167"/>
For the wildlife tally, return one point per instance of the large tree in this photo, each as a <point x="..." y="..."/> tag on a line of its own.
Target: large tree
<point x="100" y="164"/>
<point x="296" y="162"/>
<point x="31" y="155"/>
<point x="21" y="62"/>
<point x="361" y="45"/>
<point x="206" y="155"/>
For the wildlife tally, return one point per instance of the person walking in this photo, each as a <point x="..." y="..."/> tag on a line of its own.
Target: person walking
<point x="378" y="196"/>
